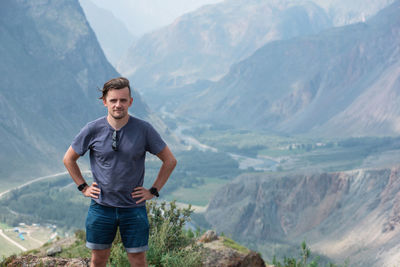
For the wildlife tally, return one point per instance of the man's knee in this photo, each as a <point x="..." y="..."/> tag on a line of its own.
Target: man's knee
<point x="137" y="259"/>
<point x="100" y="257"/>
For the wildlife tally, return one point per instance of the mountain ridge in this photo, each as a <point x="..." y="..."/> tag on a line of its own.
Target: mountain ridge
<point x="297" y="86"/>
<point x="203" y="44"/>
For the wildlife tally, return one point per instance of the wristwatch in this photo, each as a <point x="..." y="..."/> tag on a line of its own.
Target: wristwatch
<point x="82" y="186"/>
<point x="154" y="191"/>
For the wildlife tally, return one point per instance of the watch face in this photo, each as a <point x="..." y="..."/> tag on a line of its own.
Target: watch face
<point x="154" y="191"/>
<point x="82" y="186"/>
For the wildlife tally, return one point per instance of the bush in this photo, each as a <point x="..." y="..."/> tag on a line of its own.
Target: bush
<point x="169" y="244"/>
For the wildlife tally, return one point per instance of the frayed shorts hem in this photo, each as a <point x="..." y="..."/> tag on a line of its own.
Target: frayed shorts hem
<point x="137" y="250"/>
<point x="97" y="246"/>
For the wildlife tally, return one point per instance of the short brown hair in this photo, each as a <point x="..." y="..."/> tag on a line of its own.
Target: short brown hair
<point x="116" y="83"/>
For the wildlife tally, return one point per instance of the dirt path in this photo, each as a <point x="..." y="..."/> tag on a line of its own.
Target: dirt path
<point x="12" y="241"/>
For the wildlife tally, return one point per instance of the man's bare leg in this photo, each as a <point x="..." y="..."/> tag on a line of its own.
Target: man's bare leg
<point x="137" y="259"/>
<point x="100" y="257"/>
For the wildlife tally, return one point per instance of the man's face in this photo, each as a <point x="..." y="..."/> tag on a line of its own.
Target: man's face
<point x="117" y="102"/>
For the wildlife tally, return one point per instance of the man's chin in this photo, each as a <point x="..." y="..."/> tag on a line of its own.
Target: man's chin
<point x="118" y="117"/>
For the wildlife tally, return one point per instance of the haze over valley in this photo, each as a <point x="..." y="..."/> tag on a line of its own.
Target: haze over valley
<point x="283" y="116"/>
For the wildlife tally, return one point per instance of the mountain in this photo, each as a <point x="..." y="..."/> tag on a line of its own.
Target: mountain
<point x="203" y="44"/>
<point x="342" y="81"/>
<point x="142" y="17"/>
<point x="111" y="32"/>
<point x="345" y="12"/>
<point x="345" y="215"/>
<point x="50" y="70"/>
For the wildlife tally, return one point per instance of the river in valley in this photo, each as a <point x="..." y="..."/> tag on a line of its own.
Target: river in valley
<point x="258" y="163"/>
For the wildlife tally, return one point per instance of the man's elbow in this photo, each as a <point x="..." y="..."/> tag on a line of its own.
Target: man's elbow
<point x="66" y="160"/>
<point x="173" y="162"/>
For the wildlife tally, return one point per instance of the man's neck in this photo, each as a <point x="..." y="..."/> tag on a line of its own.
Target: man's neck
<point x="117" y="123"/>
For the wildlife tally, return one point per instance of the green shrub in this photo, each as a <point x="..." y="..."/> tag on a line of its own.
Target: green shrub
<point x="170" y="245"/>
<point x="118" y="255"/>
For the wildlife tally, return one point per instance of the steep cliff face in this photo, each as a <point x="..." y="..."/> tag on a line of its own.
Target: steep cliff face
<point x="50" y="70"/>
<point x="342" y="215"/>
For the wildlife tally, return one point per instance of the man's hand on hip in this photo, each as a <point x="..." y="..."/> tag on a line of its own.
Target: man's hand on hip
<point x="92" y="191"/>
<point x="142" y="193"/>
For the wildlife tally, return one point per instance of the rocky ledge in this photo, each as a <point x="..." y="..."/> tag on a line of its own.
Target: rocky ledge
<point x="218" y="251"/>
<point x="31" y="261"/>
<point x="222" y="252"/>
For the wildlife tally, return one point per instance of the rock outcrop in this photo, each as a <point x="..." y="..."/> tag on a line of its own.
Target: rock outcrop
<point x="31" y="261"/>
<point x="217" y="253"/>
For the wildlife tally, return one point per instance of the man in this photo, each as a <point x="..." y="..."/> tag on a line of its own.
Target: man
<point x="118" y="143"/>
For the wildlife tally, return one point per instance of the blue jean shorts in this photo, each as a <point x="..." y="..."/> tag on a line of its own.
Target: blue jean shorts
<point x="102" y="223"/>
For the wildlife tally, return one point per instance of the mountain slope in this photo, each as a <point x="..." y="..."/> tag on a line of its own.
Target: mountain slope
<point x="51" y="68"/>
<point x="342" y="215"/>
<point x="345" y="12"/>
<point x="112" y="34"/>
<point x="308" y="84"/>
<point x="203" y="44"/>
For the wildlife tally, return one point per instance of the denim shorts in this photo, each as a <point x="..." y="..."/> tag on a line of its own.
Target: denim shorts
<point x="102" y="223"/>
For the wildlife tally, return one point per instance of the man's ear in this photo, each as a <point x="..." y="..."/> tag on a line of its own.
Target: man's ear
<point x="131" y="101"/>
<point x="104" y="101"/>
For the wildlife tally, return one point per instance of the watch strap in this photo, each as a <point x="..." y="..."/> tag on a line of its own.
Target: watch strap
<point x="154" y="191"/>
<point x="82" y="186"/>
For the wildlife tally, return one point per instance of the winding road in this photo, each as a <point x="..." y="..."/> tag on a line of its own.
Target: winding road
<point x="2" y="194"/>
<point x="12" y="241"/>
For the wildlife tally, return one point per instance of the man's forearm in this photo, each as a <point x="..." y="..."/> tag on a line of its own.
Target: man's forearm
<point x="165" y="171"/>
<point x="74" y="171"/>
<point x="93" y="190"/>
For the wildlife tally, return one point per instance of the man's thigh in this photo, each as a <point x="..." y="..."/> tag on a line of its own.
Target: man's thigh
<point x="134" y="229"/>
<point x="101" y="226"/>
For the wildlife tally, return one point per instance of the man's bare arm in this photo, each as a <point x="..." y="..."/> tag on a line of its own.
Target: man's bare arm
<point x="168" y="164"/>
<point x="70" y="162"/>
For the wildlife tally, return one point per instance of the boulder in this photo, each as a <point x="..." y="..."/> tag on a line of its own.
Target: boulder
<point x="53" y="250"/>
<point x="218" y="254"/>
<point x="208" y="236"/>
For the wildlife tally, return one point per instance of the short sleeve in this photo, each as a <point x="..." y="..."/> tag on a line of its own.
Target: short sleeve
<point x="82" y="141"/>
<point x="155" y="144"/>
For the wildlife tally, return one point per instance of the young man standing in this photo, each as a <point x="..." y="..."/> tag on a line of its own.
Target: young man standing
<point x="118" y="143"/>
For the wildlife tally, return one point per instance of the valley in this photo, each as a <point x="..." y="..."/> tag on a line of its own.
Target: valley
<point x="202" y="175"/>
<point x="283" y="116"/>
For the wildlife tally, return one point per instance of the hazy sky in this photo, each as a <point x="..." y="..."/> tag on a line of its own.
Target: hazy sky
<point x="141" y="16"/>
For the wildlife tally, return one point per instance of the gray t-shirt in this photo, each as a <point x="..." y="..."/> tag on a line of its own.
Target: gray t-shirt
<point x="117" y="173"/>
